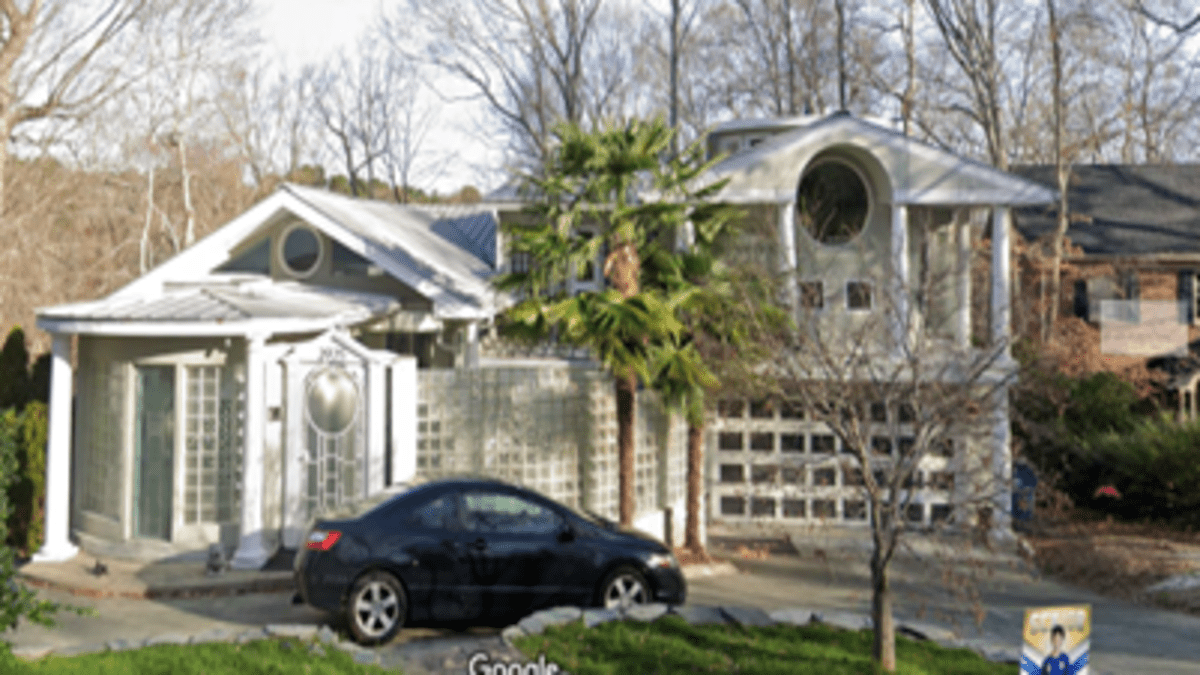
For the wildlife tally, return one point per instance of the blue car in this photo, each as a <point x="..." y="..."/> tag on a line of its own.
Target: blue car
<point x="474" y="551"/>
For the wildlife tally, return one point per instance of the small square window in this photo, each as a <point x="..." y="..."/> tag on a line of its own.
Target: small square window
<point x="939" y="513"/>
<point x="881" y="445"/>
<point x="852" y="478"/>
<point x="914" y="513"/>
<point x="762" y="506"/>
<point x="941" y="480"/>
<point x="519" y="262"/>
<point x="732" y="408"/>
<point x="824" y="477"/>
<point x="907" y="413"/>
<point x="943" y="447"/>
<point x="791" y="442"/>
<point x="763" y="441"/>
<point x="791" y="410"/>
<point x="812" y="294"/>
<point x="854" y="509"/>
<point x="762" y="410"/>
<point x="915" y="480"/>
<point x="730" y="440"/>
<point x="858" y="295"/>
<point x="766" y="473"/>
<point x="823" y="444"/>
<point x="906" y="445"/>
<point x="733" y="473"/>
<point x="824" y="508"/>
<point x="793" y="508"/>
<point x="733" y="506"/>
<point x="793" y="475"/>
<point x="879" y="412"/>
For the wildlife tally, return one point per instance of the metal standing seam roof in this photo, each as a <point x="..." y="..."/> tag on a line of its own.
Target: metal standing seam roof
<point x="413" y="236"/>
<point x="231" y="302"/>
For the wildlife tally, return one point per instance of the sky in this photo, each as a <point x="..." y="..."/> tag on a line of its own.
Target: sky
<point x="309" y="31"/>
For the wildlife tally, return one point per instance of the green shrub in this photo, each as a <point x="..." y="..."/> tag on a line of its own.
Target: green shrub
<point x="16" y="601"/>
<point x="15" y="387"/>
<point x="27" y="492"/>
<point x="1154" y="468"/>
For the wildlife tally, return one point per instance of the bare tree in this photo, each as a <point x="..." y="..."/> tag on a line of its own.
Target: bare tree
<point x="60" y="60"/>
<point x="905" y="404"/>
<point x="535" y="64"/>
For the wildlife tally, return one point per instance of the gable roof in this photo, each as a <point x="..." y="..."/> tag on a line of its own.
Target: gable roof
<point x="442" y="253"/>
<point x="1122" y="209"/>
<point x="921" y="174"/>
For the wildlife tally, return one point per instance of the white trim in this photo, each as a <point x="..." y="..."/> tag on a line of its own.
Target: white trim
<point x="281" y="245"/>
<point x="57" y="546"/>
<point x="198" y="328"/>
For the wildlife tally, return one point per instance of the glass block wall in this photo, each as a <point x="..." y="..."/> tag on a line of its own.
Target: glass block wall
<point x="552" y="428"/>
<point x="101" y="409"/>
<point x="212" y="448"/>
<point x="769" y="463"/>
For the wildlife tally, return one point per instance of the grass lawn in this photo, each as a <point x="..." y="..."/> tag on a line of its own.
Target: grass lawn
<point x="260" y="657"/>
<point x="670" y="645"/>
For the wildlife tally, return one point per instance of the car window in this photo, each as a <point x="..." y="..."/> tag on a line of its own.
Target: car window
<point x="506" y="513"/>
<point x="435" y="514"/>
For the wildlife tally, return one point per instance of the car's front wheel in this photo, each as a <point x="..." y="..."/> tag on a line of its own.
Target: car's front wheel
<point x="376" y="608"/>
<point x="624" y="588"/>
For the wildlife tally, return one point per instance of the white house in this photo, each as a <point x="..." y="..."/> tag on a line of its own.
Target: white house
<point x="274" y="368"/>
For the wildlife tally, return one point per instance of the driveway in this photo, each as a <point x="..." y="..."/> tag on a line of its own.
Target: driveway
<point x="1126" y="638"/>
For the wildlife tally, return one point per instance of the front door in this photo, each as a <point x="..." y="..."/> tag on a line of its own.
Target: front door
<point x="155" y="452"/>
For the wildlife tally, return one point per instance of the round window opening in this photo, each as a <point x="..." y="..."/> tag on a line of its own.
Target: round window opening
<point x="301" y="251"/>
<point x="332" y="400"/>
<point x="832" y="202"/>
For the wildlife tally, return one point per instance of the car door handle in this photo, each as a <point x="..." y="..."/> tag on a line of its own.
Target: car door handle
<point x="480" y="544"/>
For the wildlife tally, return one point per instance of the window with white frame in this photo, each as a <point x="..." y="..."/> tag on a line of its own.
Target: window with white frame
<point x="858" y="295"/>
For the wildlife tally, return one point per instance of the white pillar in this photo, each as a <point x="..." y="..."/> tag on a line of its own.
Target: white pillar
<point x="404" y="419"/>
<point x="376" y="425"/>
<point x="900" y="277"/>
<point x="252" y="552"/>
<point x="1001" y="468"/>
<point x="472" y="351"/>
<point x="787" y="258"/>
<point x="962" y="315"/>
<point x="1001" y="280"/>
<point x="57" y="546"/>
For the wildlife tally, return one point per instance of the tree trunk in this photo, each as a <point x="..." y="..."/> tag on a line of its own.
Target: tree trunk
<point x="883" y="648"/>
<point x="1062" y="171"/>
<point x="626" y="386"/>
<point x="185" y="179"/>
<point x="695" y="487"/>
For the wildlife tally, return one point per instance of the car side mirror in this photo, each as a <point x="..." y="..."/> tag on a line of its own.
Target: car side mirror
<point x="566" y="535"/>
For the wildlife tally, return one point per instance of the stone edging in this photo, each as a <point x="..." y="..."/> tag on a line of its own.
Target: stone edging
<point x="698" y="615"/>
<point x="316" y="639"/>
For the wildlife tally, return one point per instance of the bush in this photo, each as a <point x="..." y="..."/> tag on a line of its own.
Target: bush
<point x="16" y="601"/>
<point x="15" y="386"/>
<point x="27" y="491"/>
<point x="1153" y="467"/>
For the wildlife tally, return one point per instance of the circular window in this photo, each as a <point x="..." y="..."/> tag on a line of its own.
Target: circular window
<point x="301" y="251"/>
<point x="332" y="400"/>
<point x="832" y="202"/>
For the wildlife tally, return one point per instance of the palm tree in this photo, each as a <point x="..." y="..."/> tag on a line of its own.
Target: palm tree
<point x="616" y="181"/>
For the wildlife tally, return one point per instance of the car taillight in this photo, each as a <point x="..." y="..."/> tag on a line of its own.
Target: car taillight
<point x="322" y="540"/>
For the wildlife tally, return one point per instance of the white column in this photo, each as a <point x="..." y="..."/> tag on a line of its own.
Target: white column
<point x="1001" y="280"/>
<point x="472" y="351"/>
<point x="376" y="425"/>
<point x="404" y="419"/>
<point x="962" y="315"/>
<point x="252" y="552"/>
<point x="787" y="258"/>
<point x="1001" y="468"/>
<point x="900" y="285"/>
<point x="57" y="546"/>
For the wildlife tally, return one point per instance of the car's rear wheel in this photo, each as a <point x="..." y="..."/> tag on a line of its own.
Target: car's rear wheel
<point x="376" y="608"/>
<point x="624" y="588"/>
